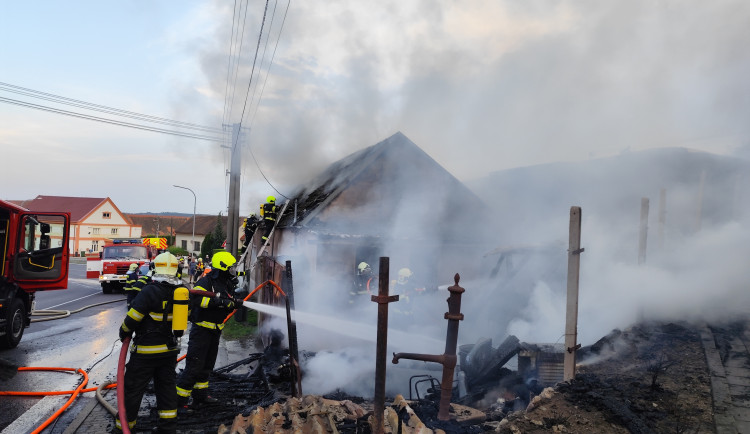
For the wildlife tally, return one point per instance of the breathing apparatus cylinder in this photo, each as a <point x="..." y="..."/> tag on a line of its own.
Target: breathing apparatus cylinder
<point x="180" y="310"/>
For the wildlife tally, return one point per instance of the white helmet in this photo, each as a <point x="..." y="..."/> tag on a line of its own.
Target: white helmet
<point x="403" y="275"/>
<point x="165" y="264"/>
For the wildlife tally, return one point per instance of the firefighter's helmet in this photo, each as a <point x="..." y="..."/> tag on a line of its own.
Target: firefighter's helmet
<point x="200" y="259"/>
<point x="403" y="275"/>
<point x="362" y="267"/>
<point x="165" y="264"/>
<point x="133" y="267"/>
<point x="271" y="199"/>
<point x="222" y="260"/>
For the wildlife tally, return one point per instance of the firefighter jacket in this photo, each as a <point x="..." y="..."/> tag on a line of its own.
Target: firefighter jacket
<point x="130" y="278"/>
<point x="142" y="281"/>
<point x="150" y="317"/>
<point x="210" y="312"/>
<point x="251" y="225"/>
<point x="269" y="211"/>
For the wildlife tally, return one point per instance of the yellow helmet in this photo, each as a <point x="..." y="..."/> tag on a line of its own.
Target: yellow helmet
<point x="271" y="199"/>
<point x="222" y="260"/>
<point x="133" y="267"/>
<point x="363" y="266"/>
<point x="165" y="264"/>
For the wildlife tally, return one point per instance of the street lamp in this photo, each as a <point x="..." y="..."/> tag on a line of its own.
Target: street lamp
<point x="192" y="239"/>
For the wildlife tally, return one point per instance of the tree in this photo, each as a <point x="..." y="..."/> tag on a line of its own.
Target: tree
<point x="219" y="236"/>
<point x="207" y="246"/>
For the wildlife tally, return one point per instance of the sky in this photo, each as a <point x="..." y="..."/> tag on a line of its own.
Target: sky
<point x="481" y="86"/>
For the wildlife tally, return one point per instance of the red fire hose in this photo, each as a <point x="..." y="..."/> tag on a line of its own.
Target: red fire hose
<point x="121" y="389"/>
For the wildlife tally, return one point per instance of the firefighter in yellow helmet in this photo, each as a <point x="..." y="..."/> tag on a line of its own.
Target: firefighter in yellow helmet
<point x="153" y="353"/>
<point x="269" y="217"/>
<point x="208" y="320"/>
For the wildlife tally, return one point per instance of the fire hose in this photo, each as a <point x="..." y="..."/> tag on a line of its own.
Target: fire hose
<point x="120" y="368"/>
<point x="59" y="314"/>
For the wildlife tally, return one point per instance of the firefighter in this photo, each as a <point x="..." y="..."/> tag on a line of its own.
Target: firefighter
<point x="180" y="267"/>
<point x="402" y="287"/>
<point x="131" y="277"/>
<point x="198" y="269"/>
<point x="208" y="315"/>
<point x="153" y="353"/>
<point x="364" y="283"/>
<point x="251" y="225"/>
<point x="269" y="217"/>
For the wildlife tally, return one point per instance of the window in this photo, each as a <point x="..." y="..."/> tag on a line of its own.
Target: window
<point x="106" y="215"/>
<point x="184" y="244"/>
<point x="95" y="246"/>
<point x="95" y="231"/>
<point x="114" y="231"/>
<point x="196" y="246"/>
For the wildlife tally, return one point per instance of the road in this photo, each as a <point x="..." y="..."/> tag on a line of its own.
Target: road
<point x="87" y="340"/>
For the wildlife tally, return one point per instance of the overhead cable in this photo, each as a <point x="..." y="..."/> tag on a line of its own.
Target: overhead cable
<point x="102" y="108"/>
<point x="229" y="67"/>
<point x="108" y="121"/>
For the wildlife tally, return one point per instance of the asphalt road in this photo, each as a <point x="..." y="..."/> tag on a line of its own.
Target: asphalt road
<point x="87" y="339"/>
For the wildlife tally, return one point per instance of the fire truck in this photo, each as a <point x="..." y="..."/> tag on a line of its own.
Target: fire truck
<point x="111" y="265"/>
<point x="34" y="247"/>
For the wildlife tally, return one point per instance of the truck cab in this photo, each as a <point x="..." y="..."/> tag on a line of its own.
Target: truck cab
<point x="113" y="262"/>
<point x="34" y="249"/>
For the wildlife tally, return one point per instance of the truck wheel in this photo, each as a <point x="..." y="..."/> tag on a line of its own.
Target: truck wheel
<point x="106" y="288"/>
<point x="16" y="322"/>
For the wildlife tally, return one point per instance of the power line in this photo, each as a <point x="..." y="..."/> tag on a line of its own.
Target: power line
<point x="107" y="121"/>
<point x="102" y="108"/>
<point x="237" y="62"/>
<point x="229" y="66"/>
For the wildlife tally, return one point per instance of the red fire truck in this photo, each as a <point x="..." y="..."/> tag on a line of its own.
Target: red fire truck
<point x="111" y="265"/>
<point x="34" y="247"/>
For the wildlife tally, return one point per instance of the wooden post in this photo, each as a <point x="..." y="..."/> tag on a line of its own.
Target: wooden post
<point x="662" y="216"/>
<point x="644" y="231"/>
<point x="571" y="316"/>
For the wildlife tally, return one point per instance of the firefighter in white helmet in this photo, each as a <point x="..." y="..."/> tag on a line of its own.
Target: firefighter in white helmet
<point x="153" y="353"/>
<point x="208" y="318"/>
<point x="365" y="284"/>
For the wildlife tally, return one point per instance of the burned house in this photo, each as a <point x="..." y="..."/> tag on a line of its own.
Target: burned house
<point x="390" y="199"/>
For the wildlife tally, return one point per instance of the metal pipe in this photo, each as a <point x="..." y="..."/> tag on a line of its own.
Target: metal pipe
<point x="382" y="299"/>
<point x="447" y="359"/>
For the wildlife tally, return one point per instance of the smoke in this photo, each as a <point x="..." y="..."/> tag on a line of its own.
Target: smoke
<point x="512" y="84"/>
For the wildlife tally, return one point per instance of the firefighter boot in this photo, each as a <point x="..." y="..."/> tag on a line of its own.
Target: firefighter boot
<point x="199" y="401"/>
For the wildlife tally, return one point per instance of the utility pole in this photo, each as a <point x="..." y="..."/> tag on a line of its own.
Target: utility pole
<point x="233" y="208"/>
<point x="571" y="312"/>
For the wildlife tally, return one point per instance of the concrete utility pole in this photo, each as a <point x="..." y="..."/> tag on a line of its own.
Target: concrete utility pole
<point x="571" y="314"/>
<point x="233" y="208"/>
<point x="643" y="236"/>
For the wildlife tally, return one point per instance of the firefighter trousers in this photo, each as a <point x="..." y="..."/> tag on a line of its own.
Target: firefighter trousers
<point x="203" y="348"/>
<point x="138" y="372"/>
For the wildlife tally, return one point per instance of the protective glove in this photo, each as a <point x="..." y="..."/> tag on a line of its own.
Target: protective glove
<point x="227" y="303"/>
<point x="124" y="335"/>
<point x="238" y="301"/>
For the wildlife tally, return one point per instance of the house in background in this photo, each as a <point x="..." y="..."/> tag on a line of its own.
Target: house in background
<point x="159" y="225"/>
<point x="93" y="220"/>
<point x="204" y="224"/>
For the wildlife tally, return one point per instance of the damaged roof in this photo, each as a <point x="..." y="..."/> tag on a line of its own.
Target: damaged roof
<point x="393" y="181"/>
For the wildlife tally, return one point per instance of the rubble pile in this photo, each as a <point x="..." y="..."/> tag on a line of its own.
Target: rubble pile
<point x="309" y="414"/>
